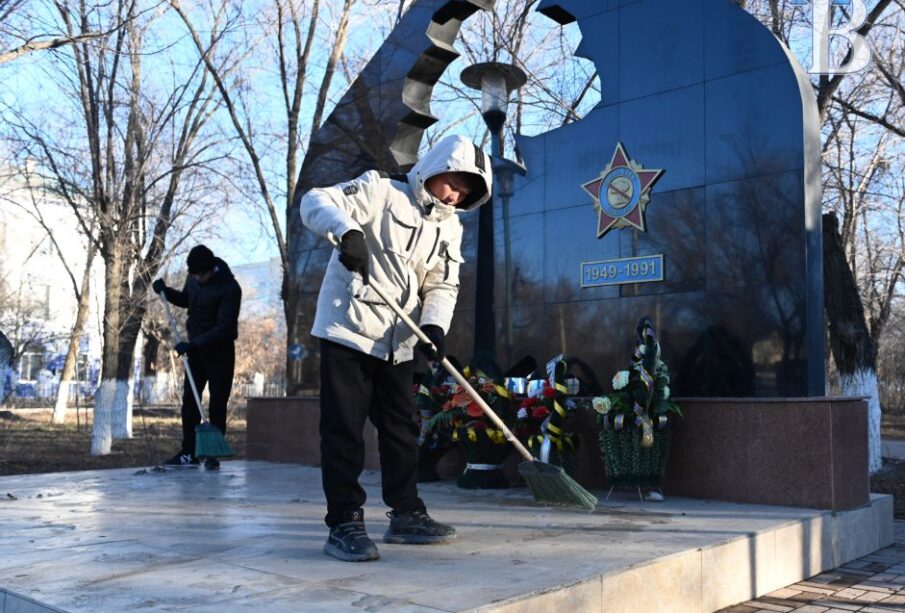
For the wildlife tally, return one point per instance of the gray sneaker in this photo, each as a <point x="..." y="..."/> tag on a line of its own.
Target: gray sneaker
<point x="350" y="542"/>
<point x="417" y="528"/>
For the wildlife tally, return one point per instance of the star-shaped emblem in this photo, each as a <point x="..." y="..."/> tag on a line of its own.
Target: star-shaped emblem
<point x="621" y="193"/>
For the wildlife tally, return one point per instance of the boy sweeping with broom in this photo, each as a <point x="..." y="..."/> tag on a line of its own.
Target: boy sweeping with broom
<point x="403" y="234"/>
<point x="212" y="297"/>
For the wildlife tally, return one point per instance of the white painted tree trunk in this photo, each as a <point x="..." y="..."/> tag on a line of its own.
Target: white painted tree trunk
<point x="864" y="383"/>
<point x="122" y="416"/>
<point x="156" y="388"/>
<point x="122" y="410"/>
<point x="102" y="430"/>
<point x="62" y="403"/>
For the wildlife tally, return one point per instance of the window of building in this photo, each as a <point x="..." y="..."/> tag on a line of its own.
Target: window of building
<point x="31" y="364"/>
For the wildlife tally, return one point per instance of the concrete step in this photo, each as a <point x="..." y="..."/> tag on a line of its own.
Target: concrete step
<point x="249" y="537"/>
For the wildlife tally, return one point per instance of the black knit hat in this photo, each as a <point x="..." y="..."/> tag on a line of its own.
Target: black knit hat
<point x="200" y="260"/>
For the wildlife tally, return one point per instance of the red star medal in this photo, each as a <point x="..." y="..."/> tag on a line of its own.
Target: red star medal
<point x="621" y="193"/>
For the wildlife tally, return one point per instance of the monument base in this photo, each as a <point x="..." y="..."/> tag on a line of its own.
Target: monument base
<point x="802" y="452"/>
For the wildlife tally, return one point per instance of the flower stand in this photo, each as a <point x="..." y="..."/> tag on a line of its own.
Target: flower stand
<point x="627" y="462"/>
<point x="485" y="450"/>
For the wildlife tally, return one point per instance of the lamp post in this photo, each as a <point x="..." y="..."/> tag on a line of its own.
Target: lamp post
<point x="495" y="81"/>
<point x="504" y="172"/>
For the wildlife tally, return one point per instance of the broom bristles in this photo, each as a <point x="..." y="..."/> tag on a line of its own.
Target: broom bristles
<point x="210" y="442"/>
<point x="550" y="484"/>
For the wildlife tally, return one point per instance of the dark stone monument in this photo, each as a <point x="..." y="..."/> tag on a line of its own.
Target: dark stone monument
<point x="722" y="249"/>
<point x="725" y="242"/>
<point x="690" y="194"/>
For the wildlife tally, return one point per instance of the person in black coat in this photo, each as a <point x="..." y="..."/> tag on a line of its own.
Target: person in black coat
<point x="212" y="296"/>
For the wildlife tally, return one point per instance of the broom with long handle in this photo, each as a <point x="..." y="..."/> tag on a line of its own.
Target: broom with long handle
<point x="548" y="483"/>
<point x="209" y="441"/>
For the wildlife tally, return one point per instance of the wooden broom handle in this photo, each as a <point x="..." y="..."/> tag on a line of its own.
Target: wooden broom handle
<point x="461" y="380"/>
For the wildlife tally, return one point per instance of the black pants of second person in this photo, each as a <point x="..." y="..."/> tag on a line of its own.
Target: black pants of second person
<point x="213" y="365"/>
<point x="356" y="386"/>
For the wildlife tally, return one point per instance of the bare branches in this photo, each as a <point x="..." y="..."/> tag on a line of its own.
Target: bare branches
<point x="827" y="85"/>
<point x="241" y="129"/>
<point x="336" y="52"/>
<point x="877" y="119"/>
<point x="52" y="43"/>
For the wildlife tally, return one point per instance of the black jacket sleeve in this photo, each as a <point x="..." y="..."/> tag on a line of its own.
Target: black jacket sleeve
<point x="176" y="297"/>
<point x="227" y="318"/>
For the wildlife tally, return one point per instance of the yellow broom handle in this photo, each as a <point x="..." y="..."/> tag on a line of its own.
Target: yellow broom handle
<point x="450" y="368"/>
<point x="185" y="359"/>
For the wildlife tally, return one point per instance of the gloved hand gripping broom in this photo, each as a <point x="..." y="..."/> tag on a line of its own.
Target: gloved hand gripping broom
<point x="548" y="483"/>
<point x="209" y="441"/>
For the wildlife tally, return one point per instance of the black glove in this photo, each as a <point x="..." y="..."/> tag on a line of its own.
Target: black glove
<point x="353" y="253"/>
<point x="183" y="347"/>
<point x="438" y="338"/>
<point x="158" y="286"/>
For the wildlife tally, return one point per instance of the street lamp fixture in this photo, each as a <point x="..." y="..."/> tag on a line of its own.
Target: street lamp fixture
<point x="495" y="80"/>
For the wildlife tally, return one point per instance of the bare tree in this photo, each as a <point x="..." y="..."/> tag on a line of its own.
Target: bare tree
<point x="292" y="34"/>
<point x="144" y="160"/>
<point x="22" y="31"/>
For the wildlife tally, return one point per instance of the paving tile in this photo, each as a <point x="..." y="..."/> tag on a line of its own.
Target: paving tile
<point x="868" y="587"/>
<point x="786" y="592"/>
<point x="808" y="596"/>
<point x="835" y="603"/>
<point x="893" y="600"/>
<point x="869" y="596"/>
<point x="825" y="578"/>
<point x="876" y="586"/>
<point x="848" y="594"/>
<point x="856" y="565"/>
<point x="855" y="572"/>
<point x="811" y="609"/>
<point x="762" y="604"/>
<point x="805" y="586"/>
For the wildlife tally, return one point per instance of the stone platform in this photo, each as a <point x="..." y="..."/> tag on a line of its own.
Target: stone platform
<point x="801" y="452"/>
<point x="249" y="538"/>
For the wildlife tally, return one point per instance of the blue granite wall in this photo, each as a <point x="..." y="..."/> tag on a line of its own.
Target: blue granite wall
<point x="702" y="90"/>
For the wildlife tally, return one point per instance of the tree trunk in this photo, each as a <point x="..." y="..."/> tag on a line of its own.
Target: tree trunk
<point x="72" y="352"/>
<point x="150" y="369"/>
<point x="853" y="350"/>
<point x="121" y="417"/>
<point x="110" y="387"/>
<point x="128" y="343"/>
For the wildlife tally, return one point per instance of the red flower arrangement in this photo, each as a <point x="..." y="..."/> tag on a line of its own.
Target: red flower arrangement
<point x="457" y="408"/>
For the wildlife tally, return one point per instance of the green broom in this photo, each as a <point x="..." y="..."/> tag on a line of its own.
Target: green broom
<point x="548" y="483"/>
<point x="209" y="441"/>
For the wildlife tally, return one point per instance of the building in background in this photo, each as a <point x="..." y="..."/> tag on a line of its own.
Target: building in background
<point x="39" y="240"/>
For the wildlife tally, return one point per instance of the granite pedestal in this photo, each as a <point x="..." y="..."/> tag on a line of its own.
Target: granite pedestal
<point x="249" y="537"/>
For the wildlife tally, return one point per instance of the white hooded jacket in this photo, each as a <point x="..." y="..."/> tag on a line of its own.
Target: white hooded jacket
<point x="414" y="242"/>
